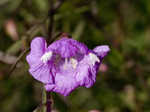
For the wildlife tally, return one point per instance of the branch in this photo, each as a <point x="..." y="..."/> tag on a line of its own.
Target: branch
<point x="48" y="101"/>
<point x="18" y="59"/>
<point x="51" y="13"/>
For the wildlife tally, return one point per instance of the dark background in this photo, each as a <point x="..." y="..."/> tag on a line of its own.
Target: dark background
<point x="123" y="81"/>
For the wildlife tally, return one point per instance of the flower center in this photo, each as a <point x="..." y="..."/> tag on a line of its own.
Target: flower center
<point x="93" y="58"/>
<point x="47" y="56"/>
<point x="71" y="61"/>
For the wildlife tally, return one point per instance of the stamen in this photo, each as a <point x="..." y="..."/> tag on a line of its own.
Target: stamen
<point x="47" y="56"/>
<point x="65" y="64"/>
<point x="66" y="61"/>
<point x="74" y="62"/>
<point x="93" y="58"/>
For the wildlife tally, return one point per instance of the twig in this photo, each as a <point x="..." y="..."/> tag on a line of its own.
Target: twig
<point x="51" y="19"/>
<point x="34" y="27"/>
<point x="51" y="13"/>
<point x="48" y="101"/>
<point x="18" y="59"/>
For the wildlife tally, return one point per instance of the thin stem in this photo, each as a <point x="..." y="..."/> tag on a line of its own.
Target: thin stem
<point x="17" y="60"/>
<point x="51" y="20"/>
<point x="51" y="13"/>
<point x="48" y="102"/>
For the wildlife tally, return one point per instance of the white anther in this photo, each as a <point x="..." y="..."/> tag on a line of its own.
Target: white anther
<point x="47" y="56"/>
<point x="74" y="62"/>
<point x="93" y="58"/>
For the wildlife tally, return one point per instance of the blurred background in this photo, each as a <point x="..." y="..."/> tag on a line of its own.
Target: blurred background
<point x="123" y="81"/>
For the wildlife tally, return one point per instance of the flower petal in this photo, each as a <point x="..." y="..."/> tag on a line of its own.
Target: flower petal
<point x="87" y="71"/>
<point x="68" y="47"/>
<point x="64" y="84"/>
<point x="86" y="76"/>
<point x="102" y="51"/>
<point x="38" y="47"/>
<point x="42" y="72"/>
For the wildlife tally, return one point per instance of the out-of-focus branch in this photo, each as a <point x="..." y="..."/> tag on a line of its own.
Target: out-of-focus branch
<point x="48" y="101"/>
<point x="17" y="60"/>
<point x="51" y="13"/>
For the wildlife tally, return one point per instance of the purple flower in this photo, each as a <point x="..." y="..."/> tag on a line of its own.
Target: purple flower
<point x="65" y="64"/>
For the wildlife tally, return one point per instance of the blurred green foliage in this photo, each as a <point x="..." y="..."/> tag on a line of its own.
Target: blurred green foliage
<point x="123" y="24"/>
